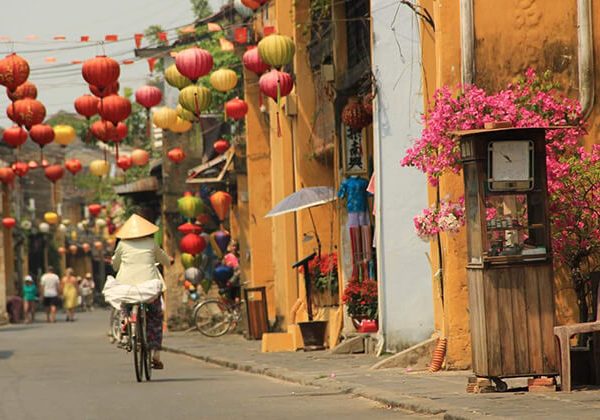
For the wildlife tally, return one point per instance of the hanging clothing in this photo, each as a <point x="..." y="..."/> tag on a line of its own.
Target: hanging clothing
<point x="354" y="189"/>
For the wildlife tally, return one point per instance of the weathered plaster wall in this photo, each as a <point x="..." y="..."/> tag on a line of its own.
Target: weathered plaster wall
<point x="406" y="307"/>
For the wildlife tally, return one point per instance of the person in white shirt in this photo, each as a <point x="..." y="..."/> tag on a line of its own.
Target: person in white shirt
<point x="50" y="291"/>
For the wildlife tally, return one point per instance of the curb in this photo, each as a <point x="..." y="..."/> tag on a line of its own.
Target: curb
<point x="394" y="400"/>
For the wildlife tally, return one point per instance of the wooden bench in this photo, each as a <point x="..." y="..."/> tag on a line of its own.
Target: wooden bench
<point x="564" y="333"/>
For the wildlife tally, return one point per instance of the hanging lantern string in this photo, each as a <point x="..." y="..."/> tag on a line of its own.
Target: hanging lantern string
<point x="148" y="123"/>
<point x="278" y="106"/>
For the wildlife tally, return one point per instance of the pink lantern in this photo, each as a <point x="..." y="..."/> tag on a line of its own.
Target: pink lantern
<point x="253" y="62"/>
<point x="194" y="63"/>
<point x="148" y="96"/>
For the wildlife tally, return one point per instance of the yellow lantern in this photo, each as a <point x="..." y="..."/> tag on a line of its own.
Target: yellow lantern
<point x="180" y="126"/>
<point x="184" y="114"/>
<point x="223" y="80"/>
<point x="164" y="117"/>
<point x="99" y="167"/>
<point x="276" y="50"/>
<point x="51" y="218"/>
<point x="64" y="134"/>
<point x="176" y="79"/>
<point x="195" y="99"/>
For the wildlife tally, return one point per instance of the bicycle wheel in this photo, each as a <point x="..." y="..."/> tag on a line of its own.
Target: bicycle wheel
<point x="147" y="354"/>
<point x="212" y="318"/>
<point x="115" y="325"/>
<point x="136" y="344"/>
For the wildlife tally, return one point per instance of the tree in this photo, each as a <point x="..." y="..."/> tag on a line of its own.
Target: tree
<point x="201" y="8"/>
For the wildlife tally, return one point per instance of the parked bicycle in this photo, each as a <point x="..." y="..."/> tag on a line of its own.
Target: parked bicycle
<point x="216" y="316"/>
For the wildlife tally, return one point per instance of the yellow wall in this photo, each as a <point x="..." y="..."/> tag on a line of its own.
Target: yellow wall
<point x="530" y="33"/>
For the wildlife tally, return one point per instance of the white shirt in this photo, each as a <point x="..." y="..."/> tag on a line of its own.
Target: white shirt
<point x="50" y="282"/>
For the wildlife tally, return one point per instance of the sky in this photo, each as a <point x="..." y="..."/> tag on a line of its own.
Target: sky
<point x="32" y="24"/>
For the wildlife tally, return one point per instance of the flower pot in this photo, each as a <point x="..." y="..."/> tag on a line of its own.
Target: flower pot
<point x="363" y="324"/>
<point x="313" y="334"/>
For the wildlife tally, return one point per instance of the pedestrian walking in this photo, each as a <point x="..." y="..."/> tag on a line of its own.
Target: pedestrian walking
<point x="30" y="294"/>
<point x="50" y="288"/>
<point x="70" y="293"/>
<point x="86" y="288"/>
<point x="135" y="260"/>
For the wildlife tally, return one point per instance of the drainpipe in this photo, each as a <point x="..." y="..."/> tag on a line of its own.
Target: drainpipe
<point x="584" y="50"/>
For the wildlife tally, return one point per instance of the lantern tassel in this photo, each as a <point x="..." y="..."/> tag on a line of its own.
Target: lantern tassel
<point x="278" y="106"/>
<point x="117" y="151"/>
<point x="41" y="155"/>
<point x="148" y="123"/>
<point x="196" y="145"/>
<point x="88" y="132"/>
<point x="54" y="195"/>
<point x="105" y="155"/>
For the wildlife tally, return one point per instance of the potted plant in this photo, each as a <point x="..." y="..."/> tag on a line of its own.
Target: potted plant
<point x="360" y="298"/>
<point x="324" y="277"/>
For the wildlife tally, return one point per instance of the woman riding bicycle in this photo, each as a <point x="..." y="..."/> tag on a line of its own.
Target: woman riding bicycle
<point x="135" y="261"/>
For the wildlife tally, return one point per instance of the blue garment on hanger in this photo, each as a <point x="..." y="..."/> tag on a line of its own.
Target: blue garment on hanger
<point x="354" y="189"/>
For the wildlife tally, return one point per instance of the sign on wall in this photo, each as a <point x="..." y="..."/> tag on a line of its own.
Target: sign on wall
<point x="354" y="145"/>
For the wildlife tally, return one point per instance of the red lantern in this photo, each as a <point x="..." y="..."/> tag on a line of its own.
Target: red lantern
<point x="124" y="162"/>
<point x="203" y="218"/>
<point x="276" y="84"/>
<point x="73" y="166"/>
<point x="103" y="130"/>
<point x="176" y="155"/>
<point x="26" y="90"/>
<point x="236" y="108"/>
<point x="221" y="146"/>
<point x="42" y="134"/>
<point x="253" y="4"/>
<point x="194" y="63"/>
<point x="355" y="116"/>
<point x="7" y="175"/>
<point x="20" y="168"/>
<point x="87" y="105"/>
<point x="33" y="164"/>
<point x="188" y="227"/>
<point x="221" y="202"/>
<point x="367" y="103"/>
<point x="45" y="163"/>
<point x="114" y="108"/>
<point x="253" y="62"/>
<point x="192" y="244"/>
<point x="121" y="132"/>
<point x="54" y="172"/>
<point x="14" y="136"/>
<point x="111" y="89"/>
<point x="28" y="112"/>
<point x="94" y="209"/>
<point x="9" y="222"/>
<point x="14" y="71"/>
<point x="148" y="96"/>
<point x="100" y="71"/>
<point x="10" y="113"/>
<point x="140" y="157"/>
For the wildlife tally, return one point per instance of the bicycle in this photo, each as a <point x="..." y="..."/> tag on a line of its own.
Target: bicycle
<point x="137" y="339"/>
<point x="215" y="317"/>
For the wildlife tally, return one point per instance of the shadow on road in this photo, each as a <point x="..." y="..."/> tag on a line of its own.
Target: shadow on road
<point x="5" y="354"/>
<point x="181" y="379"/>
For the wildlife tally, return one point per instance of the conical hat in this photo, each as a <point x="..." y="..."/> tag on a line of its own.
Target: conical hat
<point x="136" y="227"/>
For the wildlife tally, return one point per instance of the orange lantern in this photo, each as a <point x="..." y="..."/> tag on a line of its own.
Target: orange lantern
<point x="140" y="157"/>
<point x="221" y="203"/>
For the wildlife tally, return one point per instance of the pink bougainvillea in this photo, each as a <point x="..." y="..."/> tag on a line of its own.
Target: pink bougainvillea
<point x="447" y="217"/>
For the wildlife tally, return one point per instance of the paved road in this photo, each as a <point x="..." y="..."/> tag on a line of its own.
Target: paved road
<point x="70" y="371"/>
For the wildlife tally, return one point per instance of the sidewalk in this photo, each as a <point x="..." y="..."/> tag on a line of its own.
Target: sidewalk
<point x="439" y="394"/>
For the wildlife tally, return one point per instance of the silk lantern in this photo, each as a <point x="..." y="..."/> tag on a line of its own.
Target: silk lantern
<point x="276" y="50"/>
<point x="148" y="96"/>
<point x="114" y="108"/>
<point x="184" y="114"/>
<point x="193" y="275"/>
<point x="94" y="209"/>
<point x="253" y="62"/>
<point x="99" y="167"/>
<point x="223" y="80"/>
<point x="253" y="4"/>
<point x="64" y="134"/>
<point x="192" y="244"/>
<point x="20" y="168"/>
<point x="9" y="222"/>
<point x="101" y="71"/>
<point x="176" y="79"/>
<point x="276" y="84"/>
<point x="25" y="90"/>
<point x="236" y="108"/>
<point x="54" y="172"/>
<point x="195" y="99"/>
<point x="176" y="155"/>
<point x="14" y="136"/>
<point x="355" y="116"/>
<point x="189" y="228"/>
<point x="221" y="146"/>
<point x="42" y="134"/>
<point x="28" y="112"/>
<point x="73" y="166"/>
<point x="180" y="126"/>
<point x="44" y="227"/>
<point x="112" y="89"/>
<point x="190" y="206"/>
<point x="222" y="239"/>
<point x="51" y="218"/>
<point x="221" y="202"/>
<point x="124" y="162"/>
<point x="164" y="117"/>
<point x="194" y="63"/>
<point x="189" y="260"/>
<point x="222" y="274"/>
<point x="14" y="71"/>
<point x="87" y="105"/>
<point x="103" y="130"/>
<point x="140" y="157"/>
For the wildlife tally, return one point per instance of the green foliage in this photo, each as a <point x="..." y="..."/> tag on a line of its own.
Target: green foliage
<point x="136" y="122"/>
<point x="97" y="189"/>
<point x="201" y="8"/>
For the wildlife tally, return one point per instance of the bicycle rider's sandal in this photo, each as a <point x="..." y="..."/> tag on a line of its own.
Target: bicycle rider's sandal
<point x="157" y="364"/>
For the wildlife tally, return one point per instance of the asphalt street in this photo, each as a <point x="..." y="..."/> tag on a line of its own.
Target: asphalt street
<point x="71" y="371"/>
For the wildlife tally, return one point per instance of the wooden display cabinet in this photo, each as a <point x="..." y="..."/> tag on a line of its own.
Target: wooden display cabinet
<point x="509" y="267"/>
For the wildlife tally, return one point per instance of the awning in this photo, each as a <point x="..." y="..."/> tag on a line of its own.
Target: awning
<point x="148" y="184"/>
<point x="211" y="171"/>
